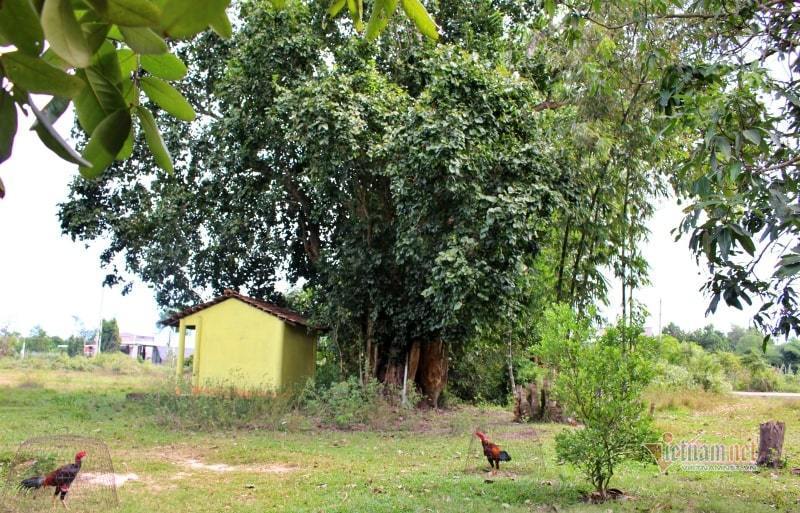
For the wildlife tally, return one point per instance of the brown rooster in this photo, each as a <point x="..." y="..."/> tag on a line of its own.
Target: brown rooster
<point x="61" y="478"/>
<point x="492" y="452"/>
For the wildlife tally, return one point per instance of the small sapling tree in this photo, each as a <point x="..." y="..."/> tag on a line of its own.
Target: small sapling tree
<point x="599" y="379"/>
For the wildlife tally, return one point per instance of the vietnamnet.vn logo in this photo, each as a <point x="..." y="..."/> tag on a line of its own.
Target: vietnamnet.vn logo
<point x="694" y="456"/>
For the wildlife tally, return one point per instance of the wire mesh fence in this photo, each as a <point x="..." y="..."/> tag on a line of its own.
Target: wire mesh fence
<point x="521" y="441"/>
<point x="93" y="489"/>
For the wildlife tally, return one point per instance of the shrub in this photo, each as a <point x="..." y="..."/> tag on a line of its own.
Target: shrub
<point x="348" y="403"/>
<point x="765" y="380"/>
<point x="600" y="380"/>
<point x="673" y="377"/>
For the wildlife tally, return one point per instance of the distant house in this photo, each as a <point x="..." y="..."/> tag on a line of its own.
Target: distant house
<point x="247" y="343"/>
<point x="142" y="347"/>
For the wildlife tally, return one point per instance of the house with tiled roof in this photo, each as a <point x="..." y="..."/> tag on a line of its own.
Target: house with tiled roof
<point x="245" y="343"/>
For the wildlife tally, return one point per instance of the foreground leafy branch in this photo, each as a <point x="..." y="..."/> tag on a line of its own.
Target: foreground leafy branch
<point x="102" y="55"/>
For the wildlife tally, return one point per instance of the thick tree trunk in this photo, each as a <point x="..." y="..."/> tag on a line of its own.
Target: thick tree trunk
<point x="432" y="371"/>
<point x="770" y="443"/>
<point x="527" y="405"/>
<point x="521" y="411"/>
<point x="393" y="373"/>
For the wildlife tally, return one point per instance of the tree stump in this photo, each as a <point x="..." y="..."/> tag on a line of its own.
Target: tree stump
<point x="770" y="443"/>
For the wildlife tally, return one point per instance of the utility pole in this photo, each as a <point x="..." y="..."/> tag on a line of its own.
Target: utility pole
<point x="659" y="319"/>
<point x="100" y="315"/>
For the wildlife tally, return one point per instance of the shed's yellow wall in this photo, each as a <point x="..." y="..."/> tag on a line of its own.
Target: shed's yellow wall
<point x="299" y="356"/>
<point x="239" y="345"/>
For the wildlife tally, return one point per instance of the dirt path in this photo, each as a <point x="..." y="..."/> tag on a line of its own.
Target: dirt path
<point x="782" y="395"/>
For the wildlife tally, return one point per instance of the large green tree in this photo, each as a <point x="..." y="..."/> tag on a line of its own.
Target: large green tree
<point x="406" y="184"/>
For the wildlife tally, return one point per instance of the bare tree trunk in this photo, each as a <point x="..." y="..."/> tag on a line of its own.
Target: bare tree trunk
<point x="625" y="229"/>
<point x="770" y="443"/>
<point x="405" y="381"/>
<point x="511" y="365"/>
<point x="563" y="258"/>
<point x="593" y="210"/>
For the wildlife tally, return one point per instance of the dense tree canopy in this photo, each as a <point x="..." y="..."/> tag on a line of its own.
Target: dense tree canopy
<point x="407" y="193"/>
<point x="418" y="191"/>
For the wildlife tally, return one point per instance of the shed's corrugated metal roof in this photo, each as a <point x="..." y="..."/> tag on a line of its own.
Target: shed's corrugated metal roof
<point x="284" y="314"/>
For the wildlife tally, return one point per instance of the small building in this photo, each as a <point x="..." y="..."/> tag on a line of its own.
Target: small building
<point x="246" y="343"/>
<point x="142" y="347"/>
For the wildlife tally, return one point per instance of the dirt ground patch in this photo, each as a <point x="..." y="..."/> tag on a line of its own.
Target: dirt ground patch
<point x="522" y="434"/>
<point x="106" y="479"/>
<point x="196" y="464"/>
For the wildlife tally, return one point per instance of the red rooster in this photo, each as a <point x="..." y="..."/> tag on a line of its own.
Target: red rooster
<point x="492" y="452"/>
<point x="61" y="478"/>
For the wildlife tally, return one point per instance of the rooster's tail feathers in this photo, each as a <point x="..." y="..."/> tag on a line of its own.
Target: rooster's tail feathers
<point x="504" y="456"/>
<point x="33" y="482"/>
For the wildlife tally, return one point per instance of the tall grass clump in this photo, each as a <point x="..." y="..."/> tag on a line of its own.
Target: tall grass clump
<point x="222" y="405"/>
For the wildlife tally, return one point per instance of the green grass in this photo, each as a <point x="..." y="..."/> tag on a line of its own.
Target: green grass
<point x="430" y="463"/>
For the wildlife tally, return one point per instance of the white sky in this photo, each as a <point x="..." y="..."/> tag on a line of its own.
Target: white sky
<point x="46" y="279"/>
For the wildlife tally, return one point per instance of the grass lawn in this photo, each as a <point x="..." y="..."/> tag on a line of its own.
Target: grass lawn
<point x="430" y="464"/>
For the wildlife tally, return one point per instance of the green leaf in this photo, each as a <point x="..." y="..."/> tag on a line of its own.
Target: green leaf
<point x="130" y="92"/>
<point x="154" y="140"/>
<point x="356" y="8"/>
<point x="382" y="10"/>
<point x="95" y="34"/>
<point x="222" y="25"/>
<point x="106" y="63"/>
<point x="36" y="76"/>
<point x="182" y="19"/>
<point x="419" y="15"/>
<point x="19" y="24"/>
<point x="336" y="7"/>
<point x="724" y="146"/>
<point x="143" y="40"/>
<point x="734" y="170"/>
<point x="99" y="99"/>
<point x="54" y="109"/>
<point x="127" y="61"/>
<point x="106" y="143"/>
<point x="8" y="124"/>
<point x="64" y="34"/>
<point x="752" y="135"/>
<point x="128" y="13"/>
<point x="166" y="66"/>
<point x="115" y="33"/>
<point x="127" y="148"/>
<point x="106" y="89"/>
<point x="2" y="189"/>
<point x="50" y="57"/>
<point x="51" y="138"/>
<point x="168" y="98"/>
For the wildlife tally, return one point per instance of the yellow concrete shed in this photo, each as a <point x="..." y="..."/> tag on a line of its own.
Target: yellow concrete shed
<point x="246" y="343"/>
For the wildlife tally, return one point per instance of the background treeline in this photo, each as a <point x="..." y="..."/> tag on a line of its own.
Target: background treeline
<point x="709" y="359"/>
<point x="39" y="341"/>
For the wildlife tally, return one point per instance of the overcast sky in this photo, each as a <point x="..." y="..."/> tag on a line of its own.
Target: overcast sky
<point x="47" y="280"/>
